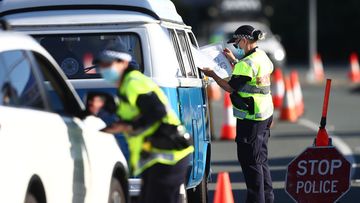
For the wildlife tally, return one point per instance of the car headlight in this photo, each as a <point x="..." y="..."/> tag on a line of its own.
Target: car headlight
<point x="279" y="55"/>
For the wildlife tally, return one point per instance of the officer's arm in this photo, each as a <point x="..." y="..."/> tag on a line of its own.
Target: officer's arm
<point x="151" y="108"/>
<point x="237" y="81"/>
<point x="223" y="83"/>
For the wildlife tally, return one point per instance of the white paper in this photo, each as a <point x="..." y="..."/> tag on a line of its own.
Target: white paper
<point x="201" y="59"/>
<point x="220" y="63"/>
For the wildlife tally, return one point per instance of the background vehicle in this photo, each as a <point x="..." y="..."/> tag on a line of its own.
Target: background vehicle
<point x="48" y="153"/>
<point x="271" y="45"/>
<point x="154" y="34"/>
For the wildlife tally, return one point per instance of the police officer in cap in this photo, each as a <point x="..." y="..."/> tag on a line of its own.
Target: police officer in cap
<point x="159" y="146"/>
<point x="249" y="89"/>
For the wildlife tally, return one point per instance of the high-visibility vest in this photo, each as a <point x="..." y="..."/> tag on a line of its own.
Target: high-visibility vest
<point x="258" y="67"/>
<point x="134" y="84"/>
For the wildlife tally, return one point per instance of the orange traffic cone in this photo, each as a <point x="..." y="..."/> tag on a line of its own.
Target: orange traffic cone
<point x="288" y="110"/>
<point x="316" y="73"/>
<point x="228" y="130"/>
<point x="354" y="73"/>
<point x="223" y="192"/>
<point x="298" y="97"/>
<point x="277" y="89"/>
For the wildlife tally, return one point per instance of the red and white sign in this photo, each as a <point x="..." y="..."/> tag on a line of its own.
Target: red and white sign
<point x="319" y="174"/>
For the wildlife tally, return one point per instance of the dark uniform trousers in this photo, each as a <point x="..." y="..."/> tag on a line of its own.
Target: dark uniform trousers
<point x="252" y="140"/>
<point x="161" y="183"/>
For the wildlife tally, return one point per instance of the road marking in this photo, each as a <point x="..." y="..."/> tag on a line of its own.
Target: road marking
<point x="336" y="141"/>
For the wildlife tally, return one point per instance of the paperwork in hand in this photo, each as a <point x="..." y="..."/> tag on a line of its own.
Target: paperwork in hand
<point x="211" y="56"/>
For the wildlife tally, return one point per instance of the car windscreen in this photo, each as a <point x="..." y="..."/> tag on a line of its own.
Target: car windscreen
<point x="75" y="53"/>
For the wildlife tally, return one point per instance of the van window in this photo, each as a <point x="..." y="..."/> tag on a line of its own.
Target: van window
<point x="18" y="84"/>
<point x="192" y="39"/>
<point x="176" y="46"/>
<point x="186" y="54"/>
<point x="75" y="53"/>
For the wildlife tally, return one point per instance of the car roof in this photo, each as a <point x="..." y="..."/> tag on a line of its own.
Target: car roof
<point x="15" y="41"/>
<point x="159" y="9"/>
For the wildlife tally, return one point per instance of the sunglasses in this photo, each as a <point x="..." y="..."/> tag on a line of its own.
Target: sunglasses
<point x="236" y="44"/>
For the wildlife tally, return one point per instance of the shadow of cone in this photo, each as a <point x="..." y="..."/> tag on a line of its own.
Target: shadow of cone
<point x="223" y="192"/>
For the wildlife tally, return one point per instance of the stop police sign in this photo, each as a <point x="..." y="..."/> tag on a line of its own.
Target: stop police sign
<point x="319" y="174"/>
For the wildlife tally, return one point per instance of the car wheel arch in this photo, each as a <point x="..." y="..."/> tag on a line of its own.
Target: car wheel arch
<point x="37" y="189"/>
<point x="120" y="174"/>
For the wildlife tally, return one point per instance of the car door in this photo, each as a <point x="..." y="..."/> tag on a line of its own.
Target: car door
<point x="62" y="101"/>
<point x="191" y="100"/>
<point x="34" y="141"/>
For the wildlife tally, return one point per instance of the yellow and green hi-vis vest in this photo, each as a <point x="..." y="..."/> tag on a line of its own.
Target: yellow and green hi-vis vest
<point x="134" y="84"/>
<point x="258" y="67"/>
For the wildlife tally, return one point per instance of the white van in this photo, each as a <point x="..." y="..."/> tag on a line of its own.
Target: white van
<point x="152" y="31"/>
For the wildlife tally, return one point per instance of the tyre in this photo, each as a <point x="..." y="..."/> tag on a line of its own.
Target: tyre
<point x="116" y="194"/>
<point x="30" y="198"/>
<point x="199" y="194"/>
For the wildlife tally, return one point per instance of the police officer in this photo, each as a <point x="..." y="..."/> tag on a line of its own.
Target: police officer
<point x="252" y="106"/>
<point x="158" y="144"/>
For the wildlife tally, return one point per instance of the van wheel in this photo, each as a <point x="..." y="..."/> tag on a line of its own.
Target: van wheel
<point x="199" y="194"/>
<point x="116" y="194"/>
<point x="30" y="198"/>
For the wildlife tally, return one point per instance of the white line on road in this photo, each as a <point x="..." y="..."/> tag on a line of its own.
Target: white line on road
<point x="336" y="141"/>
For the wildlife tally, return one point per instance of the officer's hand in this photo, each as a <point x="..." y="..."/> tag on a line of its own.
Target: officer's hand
<point x="229" y="55"/>
<point x="118" y="128"/>
<point x="208" y="72"/>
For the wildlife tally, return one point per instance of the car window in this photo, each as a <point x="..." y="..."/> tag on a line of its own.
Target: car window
<point x="18" y="83"/>
<point x="186" y="54"/>
<point x="75" y="53"/>
<point x="60" y="98"/>
<point x="181" y="72"/>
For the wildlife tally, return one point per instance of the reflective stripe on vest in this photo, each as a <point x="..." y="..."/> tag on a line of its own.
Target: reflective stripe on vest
<point x="254" y="90"/>
<point x="160" y="156"/>
<point x="241" y="114"/>
<point x="265" y="114"/>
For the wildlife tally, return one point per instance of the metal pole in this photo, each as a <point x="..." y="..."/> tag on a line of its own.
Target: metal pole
<point x="312" y="32"/>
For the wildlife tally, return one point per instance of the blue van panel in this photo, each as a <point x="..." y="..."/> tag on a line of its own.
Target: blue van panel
<point x="193" y="117"/>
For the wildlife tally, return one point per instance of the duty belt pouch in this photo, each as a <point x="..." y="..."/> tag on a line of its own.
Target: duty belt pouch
<point x="246" y="104"/>
<point x="169" y="137"/>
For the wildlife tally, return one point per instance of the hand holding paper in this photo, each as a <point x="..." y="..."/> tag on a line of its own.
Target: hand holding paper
<point x="212" y="57"/>
<point x="229" y="55"/>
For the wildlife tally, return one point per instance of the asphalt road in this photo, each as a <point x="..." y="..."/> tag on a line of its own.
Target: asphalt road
<point x="290" y="139"/>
